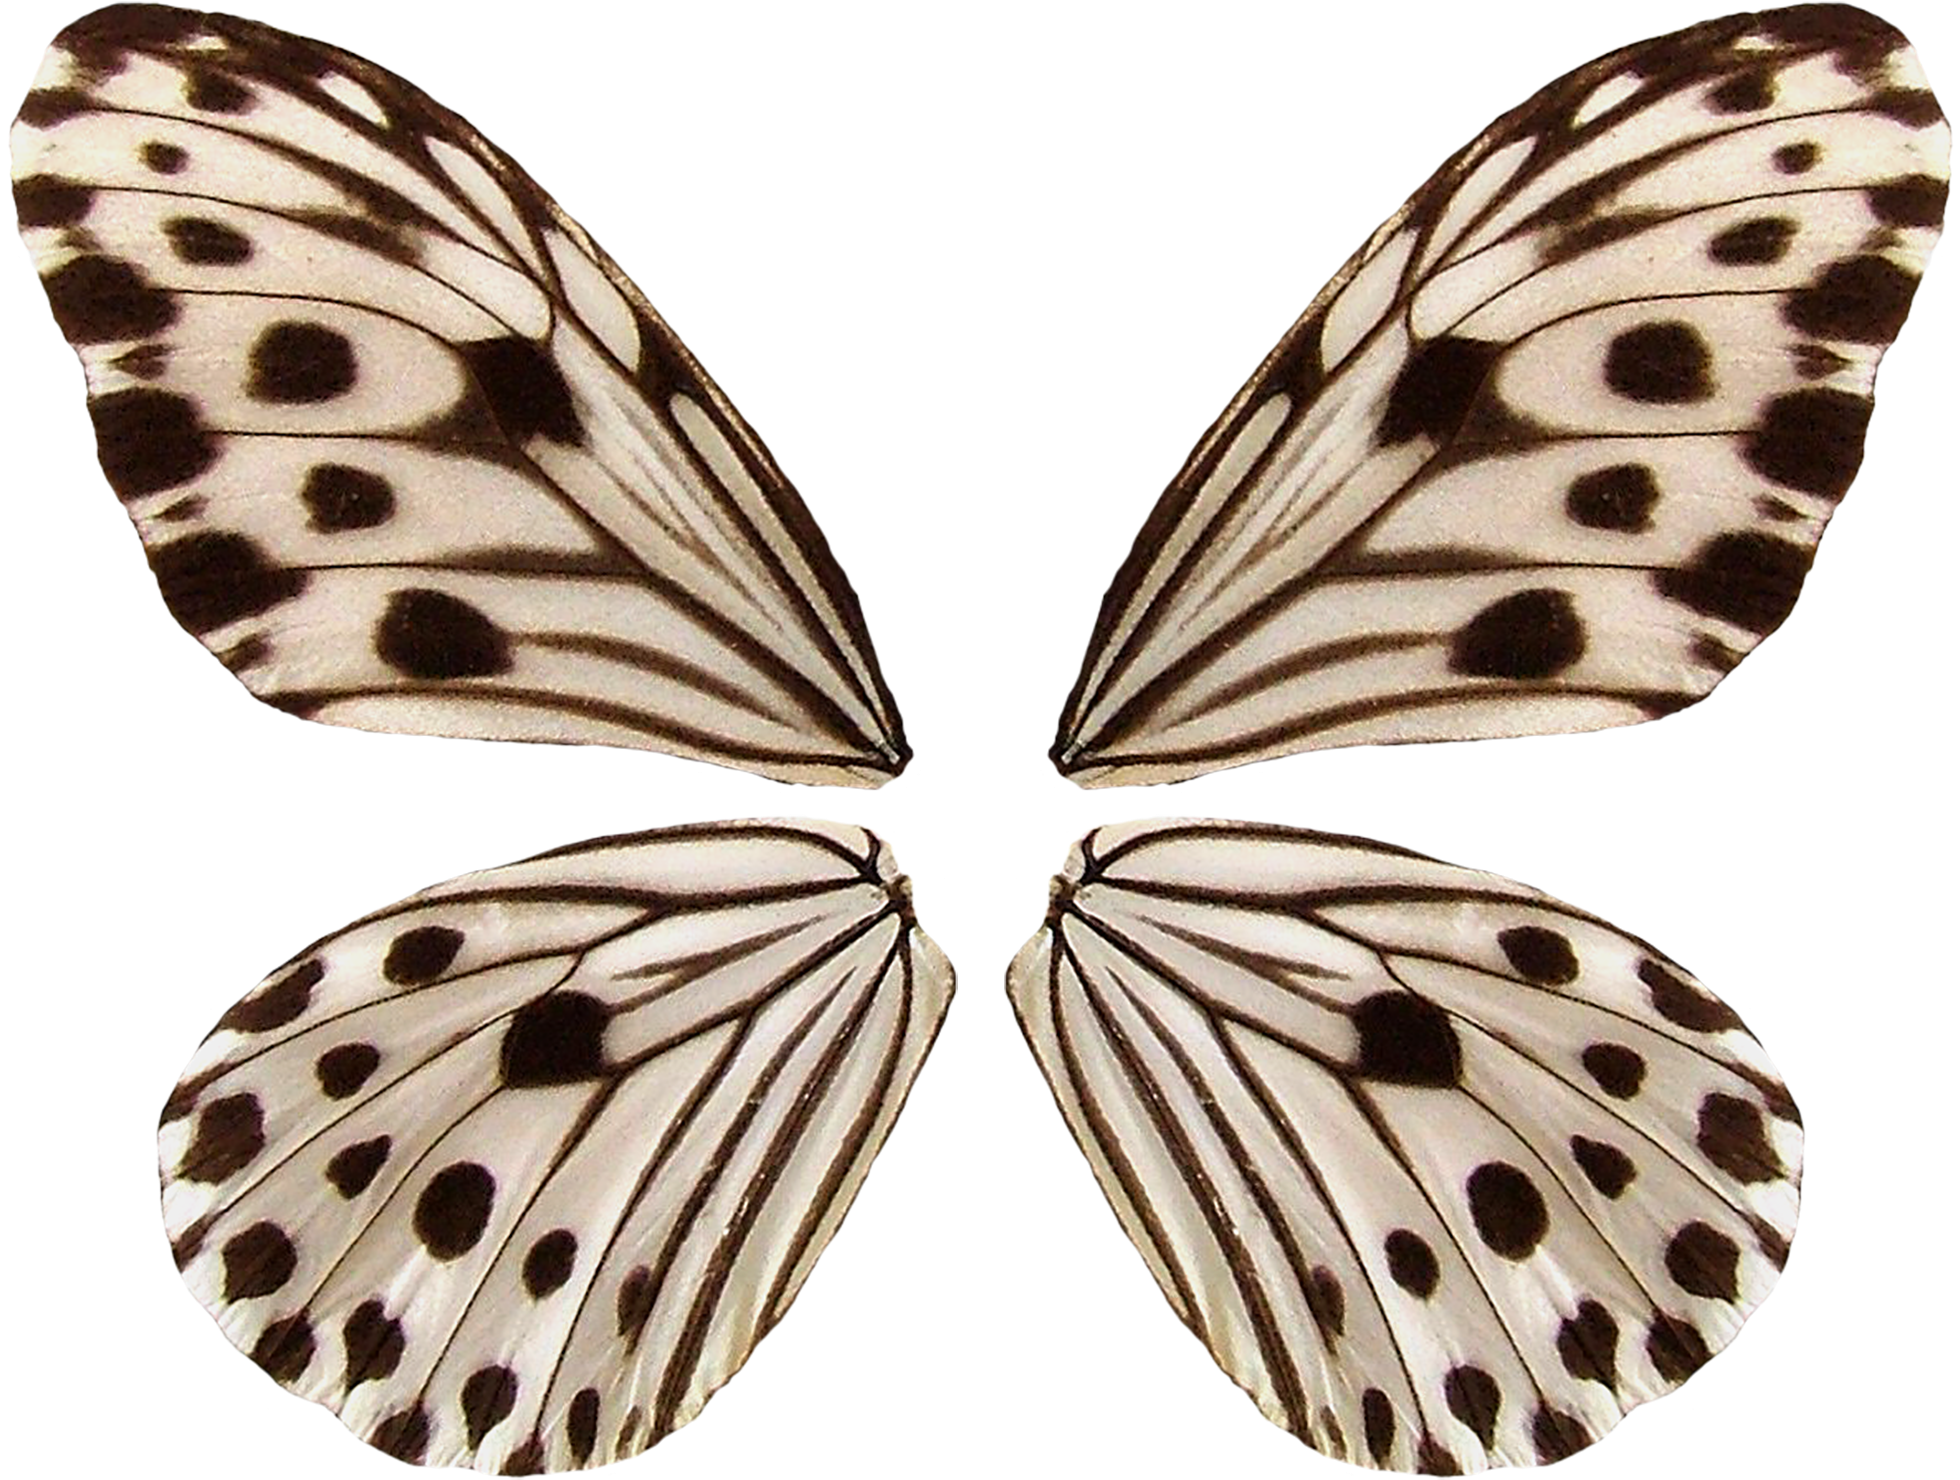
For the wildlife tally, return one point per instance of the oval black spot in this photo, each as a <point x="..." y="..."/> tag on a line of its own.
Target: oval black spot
<point x="343" y="1070"/>
<point x="1607" y="1167"/>
<point x="1910" y="200"/>
<point x="1916" y="107"/>
<point x="1755" y="242"/>
<point x="1797" y="159"/>
<point x="1557" y="1435"/>
<point x="1378" y="1424"/>
<point x="634" y="1302"/>
<point x="1589" y="1343"/>
<point x="454" y="1209"/>
<point x="549" y="1263"/>
<point x="207" y="243"/>
<point x="374" y="1344"/>
<point x="1810" y="440"/>
<point x="149" y="440"/>
<point x="417" y="957"/>
<point x="1526" y="635"/>
<point x="285" y="1349"/>
<point x="1676" y="1348"/>
<point x="277" y="1003"/>
<point x="1732" y="1134"/>
<point x="431" y="634"/>
<point x="258" y="1261"/>
<point x="230" y="1132"/>
<point x="1406" y="1039"/>
<point x="525" y="391"/>
<point x="300" y="364"/>
<point x="213" y="579"/>
<point x="1539" y="955"/>
<point x="98" y="300"/>
<point x="1748" y="578"/>
<point x="215" y="92"/>
<point x="1326" y="1302"/>
<point x="1702" y="1260"/>
<point x="1746" y="92"/>
<point x="1619" y="498"/>
<point x="403" y="1436"/>
<point x="47" y="106"/>
<point x="1475" y="1401"/>
<point x="527" y="1458"/>
<point x="1683" y="1003"/>
<point x="488" y="1397"/>
<point x="1615" y="1068"/>
<point x="1662" y="364"/>
<point x="557" y="1039"/>
<point x="339" y="498"/>
<point x="1862" y="299"/>
<point x="353" y="1168"/>
<point x="163" y="159"/>
<point x="1436" y="389"/>
<point x="1412" y="1263"/>
<point x="49" y="200"/>
<point x="582" y="1424"/>
<point x="1507" y="1208"/>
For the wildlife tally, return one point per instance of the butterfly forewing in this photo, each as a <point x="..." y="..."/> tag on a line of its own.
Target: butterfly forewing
<point x="515" y="1173"/>
<point x="1555" y="449"/>
<point x="406" y="449"/>
<point x="1445" y="1173"/>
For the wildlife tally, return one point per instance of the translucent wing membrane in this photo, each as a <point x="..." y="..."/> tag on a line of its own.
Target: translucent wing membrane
<point x="407" y="450"/>
<point x="1445" y="1173"/>
<point x="1555" y="449"/>
<point x="515" y="1173"/>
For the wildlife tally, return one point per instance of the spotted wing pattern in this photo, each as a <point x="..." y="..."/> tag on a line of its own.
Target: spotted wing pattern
<point x="406" y="449"/>
<point x="1554" y="450"/>
<point x="516" y="1172"/>
<point x="1445" y="1173"/>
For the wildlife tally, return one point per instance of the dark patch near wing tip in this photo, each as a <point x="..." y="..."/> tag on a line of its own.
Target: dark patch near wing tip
<point x="1746" y="92"/>
<point x="1661" y="364"/>
<point x="1539" y="955"/>
<point x="1685" y="1004"/>
<point x="211" y="91"/>
<point x="98" y="300"/>
<point x="1406" y="1039"/>
<point x="1916" y="107"/>
<point x="1731" y="1133"/>
<point x="1703" y="1261"/>
<point x="558" y="1038"/>
<point x="1745" y="577"/>
<point x="50" y="200"/>
<point x="229" y="1134"/>
<point x="47" y="106"/>
<point x="433" y="635"/>
<point x="294" y="363"/>
<point x="1861" y="299"/>
<point x="1811" y="440"/>
<point x="1527" y="635"/>
<point x="1910" y="200"/>
<point x="1436" y="389"/>
<point x="213" y="579"/>
<point x="277" y="1003"/>
<point x="418" y="956"/>
<point x="525" y="390"/>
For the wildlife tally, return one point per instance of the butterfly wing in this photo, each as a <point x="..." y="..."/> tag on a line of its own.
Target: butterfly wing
<point x="406" y="449"/>
<point x="1555" y="449"/>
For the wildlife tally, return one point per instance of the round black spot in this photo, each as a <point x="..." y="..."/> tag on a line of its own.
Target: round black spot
<point x="417" y="957"/>
<point x="1526" y="635"/>
<point x="1748" y="578"/>
<point x="1507" y="1208"/>
<point x="230" y="1132"/>
<point x="1589" y="1343"/>
<point x="403" y="1436"/>
<point x="1557" y="1435"/>
<point x="454" y="1209"/>
<point x="1746" y="92"/>
<point x="1810" y="440"/>
<point x="1475" y="1400"/>
<point x="1861" y="299"/>
<point x="50" y="200"/>
<point x="1378" y="1424"/>
<point x="1754" y="243"/>
<point x="299" y="364"/>
<point x="1436" y="389"/>
<point x="582" y="1424"/>
<point x="98" y="300"/>
<point x="213" y="579"/>
<point x="634" y="1302"/>
<point x="1797" y="159"/>
<point x="557" y="1039"/>
<point x="149" y="440"/>
<point x="488" y="1397"/>
<point x="1406" y="1039"/>
<point x="207" y="243"/>
<point x="343" y="1070"/>
<point x="1412" y="1263"/>
<point x="1615" y="1068"/>
<point x="525" y="391"/>
<point x="1619" y="498"/>
<point x="431" y="634"/>
<point x="285" y="1349"/>
<point x="1731" y="1133"/>
<point x="1702" y="1260"/>
<point x="1607" y="1167"/>
<point x="277" y="1003"/>
<point x="163" y="159"/>
<point x="353" y="1168"/>
<point x="1326" y="1302"/>
<point x="1539" y="955"/>
<point x="258" y="1261"/>
<point x="1910" y="200"/>
<point x="1664" y="364"/>
<point x="341" y="498"/>
<point x="1676" y="1348"/>
<point x="549" y="1263"/>
<point x="374" y="1344"/>
<point x="1683" y="1003"/>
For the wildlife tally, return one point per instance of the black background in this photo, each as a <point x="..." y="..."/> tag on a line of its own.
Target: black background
<point x="980" y="285"/>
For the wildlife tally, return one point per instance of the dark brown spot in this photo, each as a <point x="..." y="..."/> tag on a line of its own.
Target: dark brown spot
<point x="1746" y="92"/>
<point x="489" y="1394"/>
<point x="582" y="1424"/>
<point x="1663" y="364"/>
<point x="1797" y="159"/>
<point x="1811" y="440"/>
<point x="526" y="1459"/>
<point x="49" y="200"/>
<point x="1910" y="200"/>
<point x="1557" y="1435"/>
<point x="1589" y="1343"/>
<point x="1702" y="1260"/>
<point x="285" y="1349"/>
<point x="353" y="1168"/>
<point x="549" y="1263"/>
<point x="1539" y="955"/>
<point x="207" y="243"/>
<point x="1436" y="389"/>
<point x="258" y="1261"/>
<point x="149" y="440"/>
<point x="1683" y="1003"/>
<point x="1406" y="1039"/>
<point x="1676" y="1348"/>
<point x="558" y="1038"/>
<point x="417" y="957"/>
<point x="524" y="390"/>
<point x="1619" y="498"/>
<point x="212" y="579"/>
<point x="433" y="635"/>
<point x="403" y="1435"/>
<point x="1772" y="1245"/>
<point x="374" y="1344"/>
<point x="1531" y="634"/>
<point x="300" y="364"/>
<point x="1754" y="243"/>
<point x="1731" y="1133"/>
<point x="1507" y="1208"/>
<point x="98" y="300"/>
<point x="340" y="498"/>
<point x="47" y="106"/>
<point x="1607" y="1167"/>
<point x="1433" y="1459"/>
<point x="1615" y="1068"/>
<point x="230" y="1132"/>
<point x="635" y="1302"/>
<point x="1326" y="1302"/>
<point x="1862" y="300"/>
<point x="1475" y="1401"/>
<point x="214" y="92"/>
<point x="629" y="1431"/>
<point x="1378" y="1424"/>
<point x="343" y="1070"/>
<point x="163" y="159"/>
<point x="454" y="1209"/>
<point x="277" y="1004"/>
<point x="1915" y="107"/>
<point x="1412" y="1263"/>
